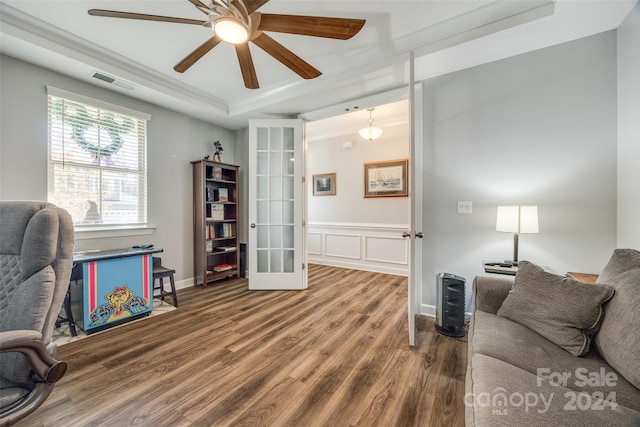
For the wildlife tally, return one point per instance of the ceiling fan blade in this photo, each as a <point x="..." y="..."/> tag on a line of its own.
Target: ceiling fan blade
<point x="288" y="58"/>
<point x="194" y="56"/>
<point x="246" y="66"/>
<point x="198" y="3"/>
<point x="144" y="17"/>
<point x="317" y="26"/>
<point x="200" y="6"/>
<point x="253" y="5"/>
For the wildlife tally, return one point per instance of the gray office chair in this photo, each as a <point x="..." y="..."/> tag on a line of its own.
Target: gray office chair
<point x="36" y="256"/>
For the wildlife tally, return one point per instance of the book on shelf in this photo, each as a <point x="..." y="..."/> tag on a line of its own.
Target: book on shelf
<point x="210" y="232"/>
<point x="222" y="267"/>
<point x="216" y="173"/>
<point x="226" y="248"/>
<point x="217" y="213"/>
<point x="209" y="246"/>
<point x="223" y="195"/>
<point x="227" y="230"/>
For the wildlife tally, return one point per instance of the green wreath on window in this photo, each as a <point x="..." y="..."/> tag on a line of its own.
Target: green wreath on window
<point x="80" y="120"/>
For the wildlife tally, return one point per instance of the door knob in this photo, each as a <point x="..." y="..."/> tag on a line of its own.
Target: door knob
<point x="405" y="234"/>
<point x="253" y="225"/>
<point x="418" y="234"/>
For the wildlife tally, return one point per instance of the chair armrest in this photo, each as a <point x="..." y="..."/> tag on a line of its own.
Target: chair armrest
<point x="490" y="292"/>
<point x="28" y="343"/>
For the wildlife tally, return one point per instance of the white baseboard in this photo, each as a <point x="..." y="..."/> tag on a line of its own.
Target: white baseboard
<point x="358" y="266"/>
<point x="184" y="283"/>
<point x="428" y="310"/>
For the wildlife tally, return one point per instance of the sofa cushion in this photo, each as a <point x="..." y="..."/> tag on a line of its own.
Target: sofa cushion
<point x="519" y="346"/>
<point x="621" y="260"/>
<point x="619" y="337"/>
<point x="561" y="309"/>
<point x="501" y="394"/>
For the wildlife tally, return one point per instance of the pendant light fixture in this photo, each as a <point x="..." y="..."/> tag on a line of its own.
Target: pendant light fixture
<point x="370" y="132"/>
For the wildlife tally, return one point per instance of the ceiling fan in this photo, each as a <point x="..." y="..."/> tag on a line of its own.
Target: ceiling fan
<point x="238" y="22"/>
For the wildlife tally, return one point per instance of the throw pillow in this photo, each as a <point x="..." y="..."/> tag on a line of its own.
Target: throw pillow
<point x="619" y="337"/>
<point x="622" y="260"/>
<point x="561" y="309"/>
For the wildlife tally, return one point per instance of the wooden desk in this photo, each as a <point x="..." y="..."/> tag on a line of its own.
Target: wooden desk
<point x="583" y="277"/>
<point x="111" y="287"/>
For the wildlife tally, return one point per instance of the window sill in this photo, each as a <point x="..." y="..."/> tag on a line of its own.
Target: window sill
<point x="87" y="233"/>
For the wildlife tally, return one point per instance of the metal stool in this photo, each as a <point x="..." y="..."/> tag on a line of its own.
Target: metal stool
<point x="159" y="273"/>
<point x="76" y="274"/>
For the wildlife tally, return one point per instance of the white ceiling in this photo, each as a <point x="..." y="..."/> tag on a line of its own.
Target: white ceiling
<point x="445" y="36"/>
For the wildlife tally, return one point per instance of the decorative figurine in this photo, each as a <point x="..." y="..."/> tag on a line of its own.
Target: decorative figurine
<point x="217" y="156"/>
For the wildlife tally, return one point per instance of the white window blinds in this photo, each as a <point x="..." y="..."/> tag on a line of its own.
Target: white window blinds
<point x="97" y="161"/>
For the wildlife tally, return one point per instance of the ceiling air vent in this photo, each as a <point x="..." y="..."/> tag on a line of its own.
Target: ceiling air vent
<point x="112" y="80"/>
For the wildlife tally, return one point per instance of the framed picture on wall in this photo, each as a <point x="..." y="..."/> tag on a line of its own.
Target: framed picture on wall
<point x="386" y="179"/>
<point x="324" y="184"/>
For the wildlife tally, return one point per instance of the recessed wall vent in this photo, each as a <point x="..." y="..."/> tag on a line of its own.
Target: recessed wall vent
<point x="112" y="80"/>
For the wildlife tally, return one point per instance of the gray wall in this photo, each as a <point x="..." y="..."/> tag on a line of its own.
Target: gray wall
<point x="629" y="130"/>
<point x="173" y="141"/>
<point x="538" y="128"/>
<point x="349" y="204"/>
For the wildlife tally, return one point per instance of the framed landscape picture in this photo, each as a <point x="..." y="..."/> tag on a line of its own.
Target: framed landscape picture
<point x="324" y="184"/>
<point x="386" y="179"/>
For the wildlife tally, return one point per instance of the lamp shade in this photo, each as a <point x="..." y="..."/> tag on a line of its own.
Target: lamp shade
<point x="517" y="219"/>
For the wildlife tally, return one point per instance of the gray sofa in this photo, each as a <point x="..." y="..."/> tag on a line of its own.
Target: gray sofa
<point x="526" y="334"/>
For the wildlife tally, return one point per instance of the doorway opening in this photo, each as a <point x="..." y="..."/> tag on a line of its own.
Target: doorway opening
<point x="345" y="228"/>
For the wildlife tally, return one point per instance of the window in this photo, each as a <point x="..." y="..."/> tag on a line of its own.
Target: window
<point x="97" y="161"/>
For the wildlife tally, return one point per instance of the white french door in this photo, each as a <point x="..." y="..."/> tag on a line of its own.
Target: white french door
<point x="277" y="235"/>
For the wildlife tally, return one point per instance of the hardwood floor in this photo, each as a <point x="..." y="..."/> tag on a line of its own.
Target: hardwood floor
<point x="336" y="354"/>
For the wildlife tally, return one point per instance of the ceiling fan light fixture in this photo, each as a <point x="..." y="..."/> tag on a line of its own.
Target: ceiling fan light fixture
<point x="231" y="30"/>
<point x="370" y="132"/>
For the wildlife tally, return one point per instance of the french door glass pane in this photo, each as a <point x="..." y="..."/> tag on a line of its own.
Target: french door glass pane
<point x="288" y="163"/>
<point x="263" y="139"/>
<point x="287" y="236"/>
<point x="263" y="212"/>
<point x="276" y="139"/>
<point x="287" y="212"/>
<point x="275" y="163"/>
<point x="275" y="212"/>
<point x="262" y="187"/>
<point x="276" y="261"/>
<point x="275" y="236"/>
<point x="263" y="169"/>
<point x="263" y="261"/>
<point x="287" y="138"/>
<point x="275" y="188"/>
<point x="263" y="236"/>
<point x="287" y="261"/>
<point x="275" y="199"/>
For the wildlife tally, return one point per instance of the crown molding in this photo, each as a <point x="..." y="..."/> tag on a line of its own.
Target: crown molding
<point x="44" y="35"/>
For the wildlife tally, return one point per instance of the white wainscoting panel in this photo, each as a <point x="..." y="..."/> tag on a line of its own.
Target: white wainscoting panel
<point x="314" y="243"/>
<point x="386" y="249"/>
<point x="370" y="247"/>
<point x="342" y="245"/>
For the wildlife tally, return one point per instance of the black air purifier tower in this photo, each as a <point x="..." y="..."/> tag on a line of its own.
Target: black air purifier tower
<point x="450" y="298"/>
